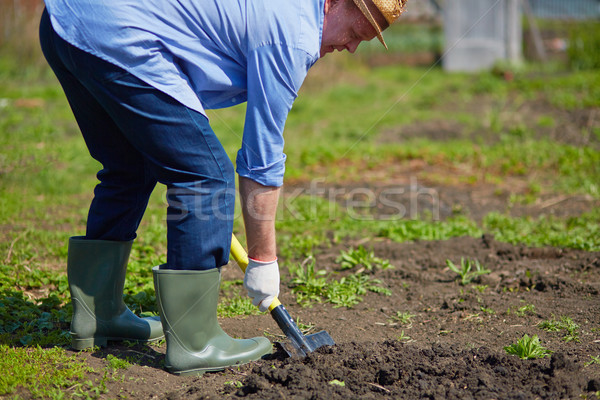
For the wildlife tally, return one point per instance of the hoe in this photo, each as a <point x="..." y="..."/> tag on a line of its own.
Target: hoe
<point x="299" y="344"/>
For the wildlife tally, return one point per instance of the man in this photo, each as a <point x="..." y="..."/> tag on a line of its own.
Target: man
<point x="139" y="75"/>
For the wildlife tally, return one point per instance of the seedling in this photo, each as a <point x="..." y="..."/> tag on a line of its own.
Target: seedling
<point x="594" y="360"/>
<point x="565" y="323"/>
<point x="466" y="272"/>
<point x="525" y="309"/>
<point x="404" y="318"/>
<point x="337" y="382"/>
<point x="481" y="288"/>
<point x="363" y="258"/>
<point x="528" y="348"/>
<point x="404" y="338"/>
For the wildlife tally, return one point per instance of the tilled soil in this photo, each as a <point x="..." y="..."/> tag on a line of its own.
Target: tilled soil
<point x="453" y="347"/>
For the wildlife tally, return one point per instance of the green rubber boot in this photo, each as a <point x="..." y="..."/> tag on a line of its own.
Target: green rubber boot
<point x="187" y="303"/>
<point x="96" y="272"/>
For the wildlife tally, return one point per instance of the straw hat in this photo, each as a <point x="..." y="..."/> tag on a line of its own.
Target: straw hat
<point x="390" y="9"/>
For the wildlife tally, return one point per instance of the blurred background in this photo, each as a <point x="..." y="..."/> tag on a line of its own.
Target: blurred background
<point x="544" y="30"/>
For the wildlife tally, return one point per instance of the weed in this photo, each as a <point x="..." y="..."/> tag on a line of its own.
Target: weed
<point x="465" y="272"/>
<point x="487" y="310"/>
<point x="311" y="285"/>
<point x="308" y="283"/>
<point x="594" y="360"/>
<point x="528" y="348"/>
<point x="35" y="369"/>
<point x="404" y="338"/>
<point x="525" y="309"/>
<point x="404" y="230"/>
<point x="480" y="288"/>
<point x="236" y="306"/>
<point x="347" y="291"/>
<point x="117" y="363"/>
<point x="565" y="323"/>
<point x="361" y="257"/>
<point x="404" y="318"/>
<point x="26" y="323"/>
<point x="337" y="382"/>
<point x="581" y="232"/>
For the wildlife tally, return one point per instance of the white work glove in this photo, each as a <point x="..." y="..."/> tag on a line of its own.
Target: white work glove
<point x="262" y="282"/>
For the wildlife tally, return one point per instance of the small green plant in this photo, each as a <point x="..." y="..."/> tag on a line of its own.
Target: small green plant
<point x="404" y="338"/>
<point x="404" y="318"/>
<point x="487" y="310"/>
<point x="347" y="291"/>
<point x="361" y="257"/>
<point x="525" y="309"/>
<point x="308" y="283"/>
<point x="466" y="272"/>
<point x="594" y="360"/>
<point x="528" y="348"/>
<point x="337" y="382"/>
<point x="480" y="288"/>
<point x="565" y="323"/>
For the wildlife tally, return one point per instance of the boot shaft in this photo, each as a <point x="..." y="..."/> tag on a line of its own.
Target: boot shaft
<point x="96" y="273"/>
<point x="187" y="303"/>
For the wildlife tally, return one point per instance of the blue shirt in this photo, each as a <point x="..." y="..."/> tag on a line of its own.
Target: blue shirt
<point x="209" y="54"/>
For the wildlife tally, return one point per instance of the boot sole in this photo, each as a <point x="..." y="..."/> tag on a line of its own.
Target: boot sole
<point x="201" y="371"/>
<point x="102" y="341"/>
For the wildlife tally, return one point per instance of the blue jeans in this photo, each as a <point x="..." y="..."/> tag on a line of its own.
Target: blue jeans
<point x="142" y="136"/>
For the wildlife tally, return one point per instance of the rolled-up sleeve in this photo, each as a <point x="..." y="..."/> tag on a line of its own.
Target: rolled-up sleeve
<point x="275" y="73"/>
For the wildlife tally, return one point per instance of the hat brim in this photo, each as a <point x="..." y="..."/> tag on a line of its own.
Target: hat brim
<point x="367" y="13"/>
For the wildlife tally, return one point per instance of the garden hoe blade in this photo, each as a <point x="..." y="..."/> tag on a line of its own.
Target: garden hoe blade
<point x="298" y="344"/>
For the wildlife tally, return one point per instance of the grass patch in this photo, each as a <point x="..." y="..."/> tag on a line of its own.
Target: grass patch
<point x="312" y="285"/>
<point x="563" y="324"/>
<point x="25" y="323"/>
<point x="45" y="373"/>
<point x="582" y="232"/>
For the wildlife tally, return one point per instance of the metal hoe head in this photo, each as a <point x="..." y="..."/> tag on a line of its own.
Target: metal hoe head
<point x="311" y="343"/>
<point x="298" y="345"/>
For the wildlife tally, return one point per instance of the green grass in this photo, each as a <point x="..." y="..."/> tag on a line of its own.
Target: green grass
<point x="46" y="373"/>
<point x="565" y="323"/>
<point x="312" y="285"/>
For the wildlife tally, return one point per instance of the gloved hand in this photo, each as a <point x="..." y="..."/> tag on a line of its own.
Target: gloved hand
<point x="262" y="282"/>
